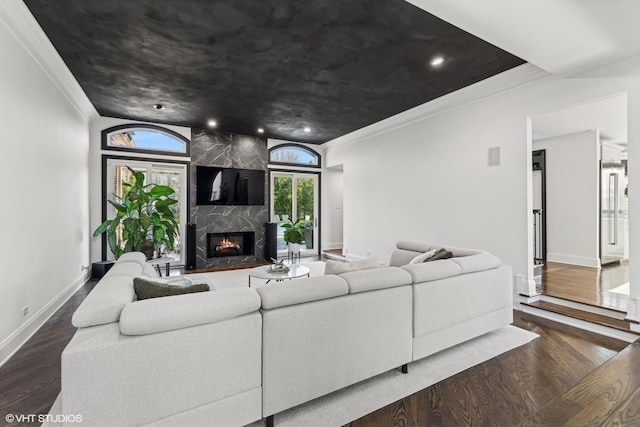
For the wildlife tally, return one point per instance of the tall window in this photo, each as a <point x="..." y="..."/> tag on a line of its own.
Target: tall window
<point x="294" y="155"/>
<point x="144" y="138"/>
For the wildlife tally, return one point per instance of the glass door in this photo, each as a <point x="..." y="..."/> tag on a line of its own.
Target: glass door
<point x="295" y="196"/>
<point x="169" y="174"/>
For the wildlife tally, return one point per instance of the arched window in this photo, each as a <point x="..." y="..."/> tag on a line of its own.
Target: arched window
<point x="294" y="155"/>
<point x="144" y="138"/>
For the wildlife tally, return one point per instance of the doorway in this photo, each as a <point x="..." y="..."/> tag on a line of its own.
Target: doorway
<point x="294" y="196"/>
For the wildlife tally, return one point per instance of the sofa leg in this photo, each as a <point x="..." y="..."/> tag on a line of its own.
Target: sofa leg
<point x="270" y="421"/>
<point x="405" y="368"/>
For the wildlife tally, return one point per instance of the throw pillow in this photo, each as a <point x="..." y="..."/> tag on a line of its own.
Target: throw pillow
<point x="440" y="254"/>
<point x="339" y="267"/>
<point x="423" y="257"/>
<point x="147" y="287"/>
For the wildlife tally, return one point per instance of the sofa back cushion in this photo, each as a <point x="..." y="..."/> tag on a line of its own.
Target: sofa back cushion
<point x="380" y="278"/>
<point x="339" y="267"/>
<point x="292" y="292"/>
<point x="105" y="302"/>
<point x="407" y="250"/>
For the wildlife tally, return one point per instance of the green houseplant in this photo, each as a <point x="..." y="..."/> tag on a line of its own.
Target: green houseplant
<point x="142" y="216"/>
<point x="293" y="234"/>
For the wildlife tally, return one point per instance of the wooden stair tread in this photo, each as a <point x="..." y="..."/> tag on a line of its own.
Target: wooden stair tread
<point x="609" y="395"/>
<point x="622" y="325"/>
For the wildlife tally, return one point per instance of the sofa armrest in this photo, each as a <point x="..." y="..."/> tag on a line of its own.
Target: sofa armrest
<point x="374" y="279"/>
<point x="302" y="290"/>
<point x="182" y="311"/>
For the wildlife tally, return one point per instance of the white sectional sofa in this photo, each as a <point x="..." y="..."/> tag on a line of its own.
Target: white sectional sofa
<point x="231" y="357"/>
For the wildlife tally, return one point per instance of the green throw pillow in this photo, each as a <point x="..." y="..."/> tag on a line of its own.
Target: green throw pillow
<point x="146" y="287"/>
<point x="440" y="254"/>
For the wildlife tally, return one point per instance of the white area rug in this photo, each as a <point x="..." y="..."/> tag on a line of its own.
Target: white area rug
<point x="358" y="400"/>
<point x="622" y="289"/>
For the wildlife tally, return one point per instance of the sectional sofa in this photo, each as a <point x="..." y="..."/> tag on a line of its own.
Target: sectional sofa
<point x="231" y="357"/>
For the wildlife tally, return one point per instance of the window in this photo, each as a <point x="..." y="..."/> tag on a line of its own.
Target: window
<point x="294" y="155"/>
<point x="144" y="138"/>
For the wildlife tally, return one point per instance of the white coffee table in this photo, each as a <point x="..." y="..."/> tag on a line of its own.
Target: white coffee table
<point x="262" y="272"/>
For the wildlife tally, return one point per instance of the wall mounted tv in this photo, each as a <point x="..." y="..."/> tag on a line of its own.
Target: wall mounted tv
<point x="226" y="186"/>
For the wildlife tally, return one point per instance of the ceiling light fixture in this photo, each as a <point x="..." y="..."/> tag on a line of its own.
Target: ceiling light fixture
<point x="307" y="129"/>
<point x="212" y="123"/>
<point x="437" y="61"/>
<point x="158" y="106"/>
<point x="260" y="130"/>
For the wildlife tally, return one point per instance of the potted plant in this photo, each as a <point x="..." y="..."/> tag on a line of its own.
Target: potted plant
<point x="143" y="218"/>
<point x="293" y="234"/>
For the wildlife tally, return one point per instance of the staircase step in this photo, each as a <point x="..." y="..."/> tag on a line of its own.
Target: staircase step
<point x="609" y="395"/>
<point x="611" y="322"/>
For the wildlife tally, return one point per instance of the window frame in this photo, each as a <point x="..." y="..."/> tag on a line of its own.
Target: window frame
<point x="300" y="147"/>
<point x="106" y="133"/>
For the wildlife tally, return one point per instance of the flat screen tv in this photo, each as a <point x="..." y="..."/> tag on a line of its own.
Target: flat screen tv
<point x="227" y="186"/>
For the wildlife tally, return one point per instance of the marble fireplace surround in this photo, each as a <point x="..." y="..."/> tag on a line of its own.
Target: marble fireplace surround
<point x="230" y="151"/>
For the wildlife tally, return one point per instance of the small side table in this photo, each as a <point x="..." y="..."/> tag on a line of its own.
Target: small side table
<point x="164" y="260"/>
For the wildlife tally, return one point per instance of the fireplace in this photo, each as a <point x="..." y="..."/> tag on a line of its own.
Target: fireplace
<point x="234" y="243"/>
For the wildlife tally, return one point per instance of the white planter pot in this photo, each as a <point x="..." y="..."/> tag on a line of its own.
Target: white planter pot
<point x="294" y="248"/>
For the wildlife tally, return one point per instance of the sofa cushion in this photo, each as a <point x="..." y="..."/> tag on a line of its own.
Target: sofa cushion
<point x="138" y="257"/>
<point x="479" y="262"/>
<point x="339" y="267"/>
<point x="423" y="257"/>
<point x="298" y="291"/>
<point x="428" y="271"/>
<point x="105" y="302"/>
<point x="146" y="287"/>
<point x="381" y="278"/>
<point x="149" y="270"/>
<point x="182" y="311"/>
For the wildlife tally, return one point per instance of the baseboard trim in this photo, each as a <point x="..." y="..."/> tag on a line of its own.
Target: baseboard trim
<point x="574" y="260"/>
<point x="20" y="336"/>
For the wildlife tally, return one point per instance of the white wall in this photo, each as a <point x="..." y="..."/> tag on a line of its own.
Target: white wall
<point x="45" y="210"/>
<point x="429" y="180"/>
<point x="572" y="178"/>
<point x="95" y="170"/>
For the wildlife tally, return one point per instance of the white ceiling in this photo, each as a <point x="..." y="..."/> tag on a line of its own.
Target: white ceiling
<point x="563" y="37"/>
<point x="608" y="115"/>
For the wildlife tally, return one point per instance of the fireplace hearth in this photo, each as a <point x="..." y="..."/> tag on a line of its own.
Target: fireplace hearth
<point x="236" y="243"/>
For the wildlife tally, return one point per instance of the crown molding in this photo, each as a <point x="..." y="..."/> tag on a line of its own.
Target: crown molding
<point x="15" y="15"/>
<point x="507" y="80"/>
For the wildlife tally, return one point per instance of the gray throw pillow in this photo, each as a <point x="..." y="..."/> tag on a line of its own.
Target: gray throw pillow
<point x="440" y="254"/>
<point x="147" y="287"/>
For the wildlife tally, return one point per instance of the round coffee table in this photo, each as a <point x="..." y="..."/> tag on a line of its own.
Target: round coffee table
<point x="262" y="272"/>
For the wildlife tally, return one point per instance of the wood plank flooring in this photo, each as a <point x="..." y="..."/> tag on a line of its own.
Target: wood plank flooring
<point x="586" y="285"/>
<point x="503" y="391"/>
<point x="30" y="380"/>
<point x="507" y="389"/>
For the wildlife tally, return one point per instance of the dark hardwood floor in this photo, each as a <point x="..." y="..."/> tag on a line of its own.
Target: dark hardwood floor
<point x="586" y="285"/>
<point x="30" y="380"/>
<point x="511" y="387"/>
<point x="538" y="378"/>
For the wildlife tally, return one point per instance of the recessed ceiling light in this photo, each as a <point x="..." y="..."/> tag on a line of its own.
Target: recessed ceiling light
<point x="307" y="129"/>
<point x="158" y="106"/>
<point x="260" y="130"/>
<point x="437" y="61"/>
<point x="212" y="123"/>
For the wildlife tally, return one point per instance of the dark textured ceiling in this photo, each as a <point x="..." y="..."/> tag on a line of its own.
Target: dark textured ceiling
<point x="332" y="65"/>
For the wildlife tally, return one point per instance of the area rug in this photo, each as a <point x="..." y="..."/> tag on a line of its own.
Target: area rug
<point x="358" y="400"/>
